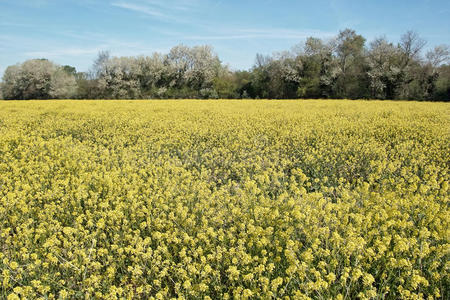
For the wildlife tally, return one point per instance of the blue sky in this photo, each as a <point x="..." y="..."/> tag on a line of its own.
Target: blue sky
<point x="74" y="31"/>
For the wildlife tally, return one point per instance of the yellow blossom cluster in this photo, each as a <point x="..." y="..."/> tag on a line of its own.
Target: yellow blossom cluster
<point x="224" y="200"/>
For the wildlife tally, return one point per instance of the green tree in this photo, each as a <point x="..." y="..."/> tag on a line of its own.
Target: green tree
<point x="351" y="81"/>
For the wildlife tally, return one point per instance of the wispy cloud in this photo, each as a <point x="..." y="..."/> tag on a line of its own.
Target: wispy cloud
<point x="147" y="10"/>
<point x="15" y="24"/>
<point x="35" y="3"/>
<point x="85" y="44"/>
<point x="262" y="34"/>
<point x="163" y="10"/>
<point x="63" y="52"/>
<point x="184" y="5"/>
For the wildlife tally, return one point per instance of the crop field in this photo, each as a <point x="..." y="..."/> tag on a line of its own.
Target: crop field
<point x="224" y="200"/>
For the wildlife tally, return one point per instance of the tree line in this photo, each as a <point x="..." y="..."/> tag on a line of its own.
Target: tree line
<point x="345" y="66"/>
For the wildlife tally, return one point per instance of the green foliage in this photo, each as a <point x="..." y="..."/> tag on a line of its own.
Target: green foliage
<point x="342" y="67"/>
<point x="442" y="91"/>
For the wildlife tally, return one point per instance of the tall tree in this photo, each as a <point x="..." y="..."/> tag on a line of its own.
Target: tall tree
<point x="349" y="49"/>
<point x="438" y="55"/>
<point x="319" y="69"/>
<point x="37" y="79"/>
<point x="118" y="78"/>
<point x="410" y="45"/>
<point x="194" y="68"/>
<point x="384" y="69"/>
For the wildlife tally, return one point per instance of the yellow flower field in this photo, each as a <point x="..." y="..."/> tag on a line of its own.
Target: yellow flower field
<point x="224" y="200"/>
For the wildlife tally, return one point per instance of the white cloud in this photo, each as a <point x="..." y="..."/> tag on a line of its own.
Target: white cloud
<point x="151" y="11"/>
<point x="64" y="52"/>
<point x="262" y="34"/>
<point x="173" y="11"/>
<point x="177" y="4"/>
